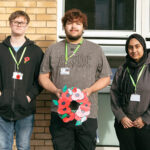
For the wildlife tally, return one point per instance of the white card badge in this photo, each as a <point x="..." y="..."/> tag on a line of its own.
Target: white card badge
<point x="17" y="75"/>
<point x="135" y="98"/>
<point x="65" y="71"/>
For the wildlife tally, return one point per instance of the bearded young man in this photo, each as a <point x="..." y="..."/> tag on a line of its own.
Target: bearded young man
<point x="74" y="62"/>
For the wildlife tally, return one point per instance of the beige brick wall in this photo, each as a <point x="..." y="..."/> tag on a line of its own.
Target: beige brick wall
<point x="42" y="29"/>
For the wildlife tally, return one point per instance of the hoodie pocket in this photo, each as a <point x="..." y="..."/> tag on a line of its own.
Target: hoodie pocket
<point x="5" y="98"/>
<point x="21" y="102"/>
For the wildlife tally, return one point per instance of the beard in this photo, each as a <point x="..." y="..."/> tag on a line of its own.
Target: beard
<point x="74" y="38"/>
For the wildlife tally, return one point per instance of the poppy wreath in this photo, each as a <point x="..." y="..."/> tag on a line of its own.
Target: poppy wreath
<point x="73" y="105"/>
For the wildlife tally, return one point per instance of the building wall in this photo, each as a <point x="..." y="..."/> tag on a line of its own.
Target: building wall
<point x="42" y="29"/>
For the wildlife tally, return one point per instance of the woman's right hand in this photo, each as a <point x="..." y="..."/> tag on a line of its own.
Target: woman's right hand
<point x="126" y="122"/>
<point x="0" y="93"/>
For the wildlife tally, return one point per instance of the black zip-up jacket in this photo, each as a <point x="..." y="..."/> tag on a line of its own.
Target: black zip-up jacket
<point x="13" y="100"/>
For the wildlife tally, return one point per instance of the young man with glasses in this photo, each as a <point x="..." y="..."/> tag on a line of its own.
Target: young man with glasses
<point x="75" y="62"/>
<point x="20" y="61"/>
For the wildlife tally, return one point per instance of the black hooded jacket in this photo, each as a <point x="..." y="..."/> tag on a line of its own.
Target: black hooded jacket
<point x="13" y="101"/>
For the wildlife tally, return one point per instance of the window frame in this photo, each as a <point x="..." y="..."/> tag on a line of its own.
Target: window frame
<point x="105" y="37"/>
<point x="146" y="18"/>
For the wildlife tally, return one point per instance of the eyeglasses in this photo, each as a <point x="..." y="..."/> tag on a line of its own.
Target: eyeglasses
<point x="17" y="23"/>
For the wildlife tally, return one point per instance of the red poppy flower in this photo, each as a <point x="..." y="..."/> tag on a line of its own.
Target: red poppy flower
<point x="63" y="110"/>
<point x="85" y="106"/>
<point x="74" y="90"/>
<point x="66" y="96"/>
<point x="18" y="76"/>
<point x="70" y="117"/>
<point x="26" y="59"/>
<point x="62" y="102"/>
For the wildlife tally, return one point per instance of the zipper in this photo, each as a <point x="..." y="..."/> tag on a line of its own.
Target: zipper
<point x="13" y="94"/>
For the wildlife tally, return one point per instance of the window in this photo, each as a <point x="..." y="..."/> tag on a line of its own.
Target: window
<point x="106" y="14"/>
<point x="106" y="120"/>
<point x="146" y="19"/>
<point x="107" y="19"/>
<point x="110" y="21"/>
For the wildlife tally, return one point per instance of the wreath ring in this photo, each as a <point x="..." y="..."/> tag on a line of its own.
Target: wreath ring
<point x="73" y="105"/>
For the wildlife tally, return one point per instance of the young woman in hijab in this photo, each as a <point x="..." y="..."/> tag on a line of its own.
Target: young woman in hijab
<point x="130" y="97"/>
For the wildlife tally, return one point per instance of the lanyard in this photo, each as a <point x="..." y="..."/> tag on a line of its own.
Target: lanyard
<point x="74" y="52"/>
<point x="17" y="63"/>
<point x="139" y="75"/>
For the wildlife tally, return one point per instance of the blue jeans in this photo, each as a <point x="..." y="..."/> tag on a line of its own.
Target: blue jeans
<point x="23" y="130"/>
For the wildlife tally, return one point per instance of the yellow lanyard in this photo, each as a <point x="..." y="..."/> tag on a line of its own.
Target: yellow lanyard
<point x="139" y="75"/>
<point x="17" y="63"/>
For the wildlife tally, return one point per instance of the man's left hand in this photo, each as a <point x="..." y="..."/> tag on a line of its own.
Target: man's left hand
<point x="88" y="91"/>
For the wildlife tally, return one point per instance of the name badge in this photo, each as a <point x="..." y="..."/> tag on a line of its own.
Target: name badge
<point x="17" y="75"/>
<point x="65" y="71"/>
<point x="135" y="98"/>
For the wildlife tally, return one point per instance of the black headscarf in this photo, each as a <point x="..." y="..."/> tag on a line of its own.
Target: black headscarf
<point x="131" y="62"/>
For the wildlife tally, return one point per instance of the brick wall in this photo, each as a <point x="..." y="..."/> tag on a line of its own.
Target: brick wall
<point x="42" y="29"/>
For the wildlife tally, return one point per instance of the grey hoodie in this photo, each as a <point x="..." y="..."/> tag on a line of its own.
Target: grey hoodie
<point x="134" y="109"/>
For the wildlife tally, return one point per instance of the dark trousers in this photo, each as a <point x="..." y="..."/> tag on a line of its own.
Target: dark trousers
<point x="133" y="138"/>
<point x="67" y="136"/>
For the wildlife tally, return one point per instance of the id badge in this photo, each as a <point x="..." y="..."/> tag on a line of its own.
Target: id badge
<point x="65" y="71"/>
<point x="135" y="97"/>
<point x="17" y="75"/>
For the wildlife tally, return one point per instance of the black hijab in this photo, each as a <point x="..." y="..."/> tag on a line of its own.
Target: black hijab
<point x="131" y="62"/>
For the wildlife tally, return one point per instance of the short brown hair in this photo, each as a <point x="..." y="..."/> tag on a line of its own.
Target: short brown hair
<point x="19" y="13"/>
<point x="74" y="13"/>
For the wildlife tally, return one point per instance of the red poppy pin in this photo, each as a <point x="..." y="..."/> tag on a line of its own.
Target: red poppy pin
<point x="26" y="59"/>
<point x="18" y="76"/>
